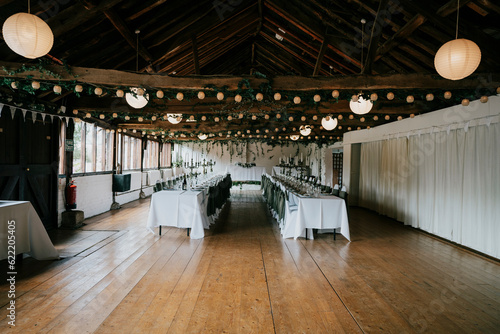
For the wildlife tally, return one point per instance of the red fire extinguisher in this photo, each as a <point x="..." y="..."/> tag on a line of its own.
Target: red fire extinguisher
<point x="70" y="195"/>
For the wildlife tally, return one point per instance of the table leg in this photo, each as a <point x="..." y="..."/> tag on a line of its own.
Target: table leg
<point x="188" y="231"/>
<point x="334" y="234"/>
<point x="160" y="230"/>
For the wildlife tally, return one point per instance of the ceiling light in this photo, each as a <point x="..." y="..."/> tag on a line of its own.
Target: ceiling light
<point x="138" y="98"/>
<point x="174" y="118"/>
<point x="305" y="130"/>
<point x="361" y="106"/>
<point x="202" y="136"/>
<point x="294" y="137"/>
<point x="329" y="123"/>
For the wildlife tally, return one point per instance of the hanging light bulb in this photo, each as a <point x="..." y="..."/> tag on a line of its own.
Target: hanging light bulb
<point x="27" y="35"/>
<point x="329" y="123"/>
<point x="361" y="106"/>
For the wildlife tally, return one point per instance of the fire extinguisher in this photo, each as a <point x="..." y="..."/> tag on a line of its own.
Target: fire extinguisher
<point x="70" y="195"/>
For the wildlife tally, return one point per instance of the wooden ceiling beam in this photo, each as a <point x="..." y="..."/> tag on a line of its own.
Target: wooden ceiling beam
<point x="321" y="54"/>
<point x="119" y="78"/>
<point x="131" y="38"/>
<point x="375" y="37"/>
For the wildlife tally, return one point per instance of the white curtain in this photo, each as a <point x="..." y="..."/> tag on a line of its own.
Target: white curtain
<point x="446" y="183"/>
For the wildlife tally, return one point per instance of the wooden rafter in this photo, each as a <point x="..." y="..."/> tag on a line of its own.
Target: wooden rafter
<point x="375" y="36"/>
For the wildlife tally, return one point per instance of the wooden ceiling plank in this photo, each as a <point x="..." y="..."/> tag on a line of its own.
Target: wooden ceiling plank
<point x="490" y="5"/>
<point x="321" y="54"/>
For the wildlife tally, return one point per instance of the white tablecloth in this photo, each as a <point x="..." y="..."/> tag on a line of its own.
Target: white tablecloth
<point x="239" y="173"/>
<point x="180" y="208"/>
<point x="31" y="236"/>
<point x="282" y="170"/>
<point x="323" y="212"/>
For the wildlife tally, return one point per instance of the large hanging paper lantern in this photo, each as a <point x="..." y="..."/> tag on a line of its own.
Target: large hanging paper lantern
<point x="27" y="35"/>
<point x="202" y="136"/>
<point x="137" y="100"/>
<point x="329" y="123"/>
<point x="361" y="106"/>
<point x="457" y="59"/>
<point x="294" y="137"/>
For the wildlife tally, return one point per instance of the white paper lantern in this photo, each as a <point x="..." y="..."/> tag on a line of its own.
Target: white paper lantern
<point x="153" y="118"/>
<point x="238" y="98"/>
<point x="120" y="93"/>
<point x="375" y="118"/>
<point x="290" y="118"/>
<point x="465" y="102"/>
<point x="140" y="119"/>
<point x="277" y="96"/>
<point x="57" y="89"/>
<point x="410" y="99"/>
<point x="315" y="118"/>
<point x="296" y="100"/>
<point x="139" y="100"/>
<point x="390" y="96"/>
<point x="174" y="118"/>
<point x="254" y="118"/>
<point x="335" y="94"/>
<point x="303" y="118"/>
<point x="179" y="96"/>
<point x="127" y="118"/>
<point x="340" y="117"/>
<point x="266" y="116"/>
<point x="374" y="97"/>
<point x="457" y="59"/>
<point x="27" y="35"/>
<point x="429" y="97"/>
<point x="229" y="118"/>
<point x="201" y="95"/>
<point x="259" y="96"/>
<point x="98" y="91"/>
<point x="483" y="99"/>
<point x="361" y="106"/>
<point x="13" y="84"/>
<point x="35" y="85"/>
<point x="387" y="117"/>
<point x="220" y="96"/>
<point x="305" y="130"/>
<point x="115" y="115"/>
<point x="160" y="94"/>
<point x="101" y="116"/>
<point x="447" y="95"/>
<point x="278" y="116"/>
<point x="317" y="98"/>
<point x="78" y="88"/>
<point x="202" y="136"/>
<point x="329" y="123"/>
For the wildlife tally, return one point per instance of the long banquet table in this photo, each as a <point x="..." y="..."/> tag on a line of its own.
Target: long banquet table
<point x="180" y="208"/>
<point x="30" y="234"/>
<point x="303" y="213"/>
<point x="239" y="173"/>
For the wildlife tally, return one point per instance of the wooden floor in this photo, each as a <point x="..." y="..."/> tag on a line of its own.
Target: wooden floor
<point x="244" y="278"/>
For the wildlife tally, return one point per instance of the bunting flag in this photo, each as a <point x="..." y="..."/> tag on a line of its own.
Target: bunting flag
<point x="43" y="118"/>
<point x="67" y="120"/>
<point x="33" y="116"/>
<point x="24" y="114"/>
<point x="51" y="118"/>
<point x="1" y="107"/>
<point x="12" y="111"/>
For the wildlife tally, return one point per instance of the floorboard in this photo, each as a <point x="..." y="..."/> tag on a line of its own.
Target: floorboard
<point x="243" y="277"/>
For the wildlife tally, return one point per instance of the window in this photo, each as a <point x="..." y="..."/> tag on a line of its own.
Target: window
<point x="90" y="148"/>
<point x="166" y="155"/>
<point x="79" y="147"/>
<point x="62" y="150"/>
<point x="100" y="150"/>
<point x="93" y="148"/>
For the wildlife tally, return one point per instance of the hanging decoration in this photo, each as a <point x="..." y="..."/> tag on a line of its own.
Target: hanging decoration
<point x="27" y="35"/>
<point x="137" y="99"/>
<point x="329" y="123"/>
<point x="458" y="58"/>
<point x="360" y="106"/>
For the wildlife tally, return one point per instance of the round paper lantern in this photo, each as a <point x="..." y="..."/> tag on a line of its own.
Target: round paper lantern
<point x="203" y="118"/>
<point x="202" y="136"/>
<point x="335" y="94"/>
<point x="229" y="118"/>
<point x="254" y="117"/>
<point x="340" y="127"/>
<point x="305" y="130"/>
<point x="465" y="102"/>
<point x="220" y="96"/>
<point x="412" y="115"/>
<point x="315" y="118"/>
<point x="303" y="118"/>
<point x="153" y="118"/>
<point x="447" y="95"/>
<point x="390" y="96"/>
<point x="216" y="119"/>
<point x="410" y="99"/>
<point x="498" y="90"/>
<point x="259" y="96"/>
<point x="27" y="35"/>
<point x="115" y="115"/>
<point x="375" y="118"/>
<point x="296" y="100"/>
<point x="160" y="94"/>
<point x="277" y="96"/>
<point x="266" y="116"/>
<point x="349" y="129"/>
<point x="248" y="131"/>
<point x="35" y="85"/>
<point x="351" y="116"/>
<point x="483" y="99"/>
<point x="317" y="98"/>
<point x="57" y="89"/>
<point x="329" y="123"/>
<point x="457" y="59"/>
<point x="387" y="117"/>
<point x="362" y="119"/>
<point x="191" y="118"/>
<point x="87" y="115"/>
<point x="238" y="98"/>
<point x="75" y="112"/>
<point x="127" y="118"/>
<point x="354" y="98"/>
<point x="294" y="137"/>
<point x="101" y="116"/>
<point x="361" y="106"/>
<point x="290" y="118"/>
<point x="278" y="116"/>
<point x="174" y="118"/>
<point x="400" y="118"/>
<point x="429" y="97"/>
<point x="139" y="100"/>
<point x="13" y="84"/>
<point x="98" y="91"/>
<point x="240" y="116"/>
<point x="78" y="88"/>
<point x="120" y="93"/>
<point x="340" y="117"/>
<point x="374" y="97"/>
<point x="140" y="119"/>
<point x="179" y="96"/>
